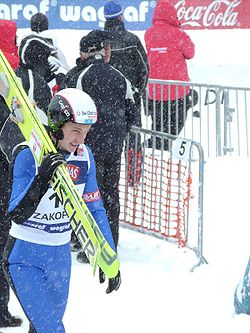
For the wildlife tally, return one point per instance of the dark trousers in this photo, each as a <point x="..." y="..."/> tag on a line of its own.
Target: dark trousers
<point x="135" y="140"/>
<point x="4" y="231"/>
<point x="4" y="286"/>
<point x="168" y="117"/>
<point x="108" y="177"/>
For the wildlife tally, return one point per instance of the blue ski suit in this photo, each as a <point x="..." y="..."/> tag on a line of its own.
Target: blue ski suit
<point x="38" y="256"/>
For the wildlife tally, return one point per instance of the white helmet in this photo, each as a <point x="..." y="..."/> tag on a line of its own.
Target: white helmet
<point x="71" y="104"/>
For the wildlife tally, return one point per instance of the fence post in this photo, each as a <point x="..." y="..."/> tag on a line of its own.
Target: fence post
<point x="228" y="117"/>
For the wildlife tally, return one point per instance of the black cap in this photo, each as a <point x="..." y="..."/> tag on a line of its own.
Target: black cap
<point x="100" y="34"/>
<point x="39" y="22"/>
<point x="90" y="44"/>
<point x="94" y="41"/>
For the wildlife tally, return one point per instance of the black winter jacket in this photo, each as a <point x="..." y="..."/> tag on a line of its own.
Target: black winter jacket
<point x="38" y="91"/>
<point x="127" y="54"/>
<point x="70" y="77"/>
<point x="113" y="97"/>
<point x="4" y="174"/>
<point x="10" y="135"/>
<point x="35" y="86"/>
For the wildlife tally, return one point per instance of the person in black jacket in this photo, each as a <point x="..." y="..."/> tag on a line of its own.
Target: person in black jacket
<point x="127" y="52"/>
<point x="6" y="319"/>
<point x="113" y="96"/>
<point x="34" y="70"/>
<point x="129" y="57"/>
<point x="37" y="52"/>
<point x="39" y="25"/>
<point x="8" y="38"/>
<point x="36" y="88"/>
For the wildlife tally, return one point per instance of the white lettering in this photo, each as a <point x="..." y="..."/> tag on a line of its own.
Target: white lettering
<point x="197" y="13"/>
<point x="231" y="17"/>
<point x="4" y="12"/>
<point x="44" y="6"/>
<point x="12" y="12"/>
<point x="143" y="10"/>
<point x="101" y="17"/>
<point x="70" y="13"/>
<point x="15" y="10"/>
<point x="131" y="14"/>
<point x="211" y="15"/>
<point x="89" y="14"/>
<point x="74" y="13"/>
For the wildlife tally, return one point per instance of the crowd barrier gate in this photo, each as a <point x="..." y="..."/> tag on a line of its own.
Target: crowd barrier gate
<point x="161" y="192"/>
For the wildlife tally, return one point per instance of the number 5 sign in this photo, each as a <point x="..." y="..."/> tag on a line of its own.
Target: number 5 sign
<point x="181" y="149"/>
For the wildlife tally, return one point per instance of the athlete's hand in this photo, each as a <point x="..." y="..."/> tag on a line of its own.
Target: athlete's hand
<point x="113" y="283"/>
<point x="49" y="164"/>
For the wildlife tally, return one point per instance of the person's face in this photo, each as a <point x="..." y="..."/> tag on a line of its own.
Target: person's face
<point x="107" y="53"/>
<point x="82" y="55"/>
<point x="74" y="135"/>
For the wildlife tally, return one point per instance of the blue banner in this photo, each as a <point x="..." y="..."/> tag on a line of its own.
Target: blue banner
<point x="76" y="14"/>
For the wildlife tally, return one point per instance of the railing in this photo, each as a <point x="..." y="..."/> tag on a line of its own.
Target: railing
<point x="219" y="121"/>
<point x="161" y="188"/>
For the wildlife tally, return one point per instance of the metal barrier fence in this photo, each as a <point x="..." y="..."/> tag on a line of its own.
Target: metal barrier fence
<point x="219" y="121"/>
<point x="161" y="193"/>
<point x="161" y="188"/>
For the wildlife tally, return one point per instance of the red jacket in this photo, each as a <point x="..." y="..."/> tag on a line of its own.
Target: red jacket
<point x="8" y="42"/>
<point x="168" y="47"/>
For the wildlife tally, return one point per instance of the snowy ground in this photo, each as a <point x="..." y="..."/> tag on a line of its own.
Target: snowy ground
<point x="158" y="292"/>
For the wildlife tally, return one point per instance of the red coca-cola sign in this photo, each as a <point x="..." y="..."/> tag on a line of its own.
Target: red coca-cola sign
<point x="213" y="14"/>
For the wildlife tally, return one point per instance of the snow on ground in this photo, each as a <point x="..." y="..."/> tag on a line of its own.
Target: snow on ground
<point x="159" y="293"/>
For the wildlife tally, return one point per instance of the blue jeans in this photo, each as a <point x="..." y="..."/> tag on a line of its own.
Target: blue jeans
<point x="40" y="275"/>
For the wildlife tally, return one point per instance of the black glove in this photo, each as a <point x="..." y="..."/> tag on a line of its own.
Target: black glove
<point x="49" y="164"/>
<point x="38" y="188"/>
<point x="113" y="283"/>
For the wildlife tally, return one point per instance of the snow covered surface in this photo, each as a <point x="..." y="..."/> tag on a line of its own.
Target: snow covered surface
<point x="158" y="291"/>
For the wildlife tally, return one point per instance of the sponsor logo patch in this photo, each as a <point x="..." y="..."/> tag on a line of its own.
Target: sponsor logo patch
<point x="91" y="196"/>
<point x="74" y="171"/>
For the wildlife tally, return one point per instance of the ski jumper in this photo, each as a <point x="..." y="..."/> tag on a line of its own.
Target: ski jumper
<point x="38" y="252"/>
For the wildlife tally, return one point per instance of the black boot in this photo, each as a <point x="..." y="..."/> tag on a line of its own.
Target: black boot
<point x="74" y="244"/>
<point x="82" y="258"/>
<point x="10" y="321"/>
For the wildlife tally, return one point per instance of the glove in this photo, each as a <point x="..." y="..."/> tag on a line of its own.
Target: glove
<point x="49" y="164"/>
<point x="27" y="206"/>
<point x="55" y="66"/>
<point x="113" y="283"/>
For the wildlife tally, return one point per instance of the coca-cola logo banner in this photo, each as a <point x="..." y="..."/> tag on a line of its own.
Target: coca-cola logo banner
<point x="213" y="14"/>
<point x="137" y="14"/>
